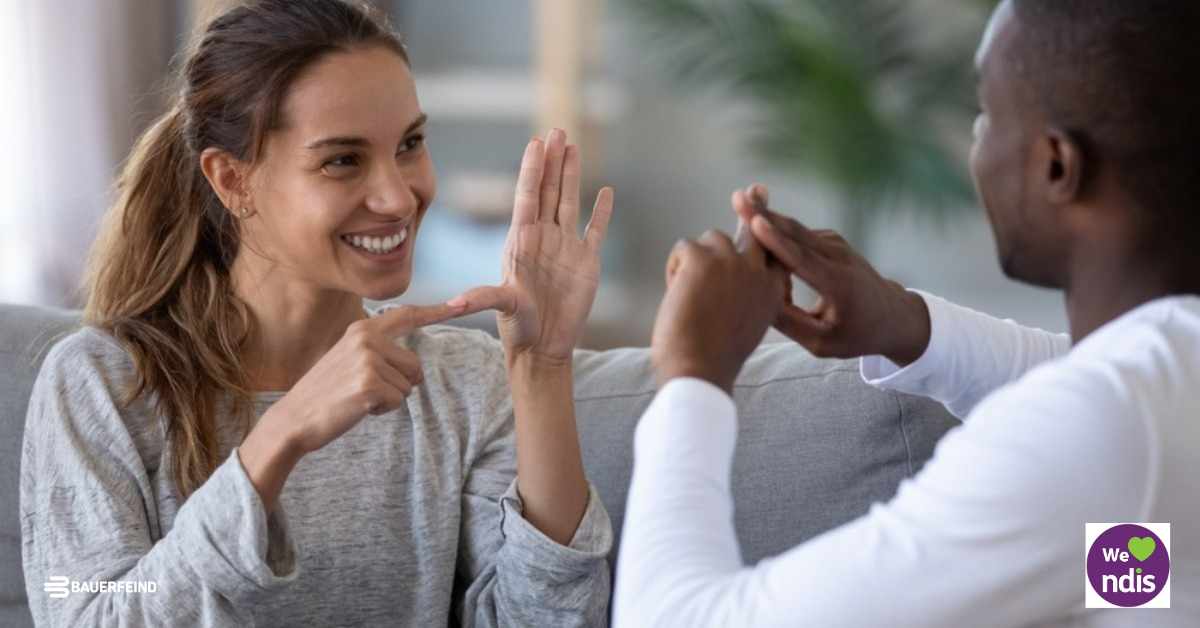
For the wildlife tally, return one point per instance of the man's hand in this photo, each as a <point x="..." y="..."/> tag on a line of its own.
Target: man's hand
<point x="720" y="299"/>
<point x="858" y="312"/>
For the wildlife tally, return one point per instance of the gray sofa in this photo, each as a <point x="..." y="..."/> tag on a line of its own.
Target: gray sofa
<point x="816" y="446"/>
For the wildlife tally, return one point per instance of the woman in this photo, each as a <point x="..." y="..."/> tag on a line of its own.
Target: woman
<point x="228" y="354"/>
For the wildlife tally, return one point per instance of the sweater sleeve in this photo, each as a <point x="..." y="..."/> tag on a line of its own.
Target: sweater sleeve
<point x="970" y="354"/>
<point x="513" y="574"/>
<point x="90" y="513"/>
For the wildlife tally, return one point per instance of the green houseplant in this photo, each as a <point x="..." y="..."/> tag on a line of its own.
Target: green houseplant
<point x="858" y="94"/>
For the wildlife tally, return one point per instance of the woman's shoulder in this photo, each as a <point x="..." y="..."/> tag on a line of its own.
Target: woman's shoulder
<point x="80" y="395"/>
<point x="89" y="367"/>
<point x="78" y="408"/>
<point x="88" y="349"/>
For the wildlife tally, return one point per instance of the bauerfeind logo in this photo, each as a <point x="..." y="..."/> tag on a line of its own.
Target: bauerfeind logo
<point x="58" y="586"/>
<point x="62" y="586"/>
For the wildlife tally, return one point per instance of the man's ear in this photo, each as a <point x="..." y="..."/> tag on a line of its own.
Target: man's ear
<point x="1063" y="166"/>
<point x="227" y="176"/>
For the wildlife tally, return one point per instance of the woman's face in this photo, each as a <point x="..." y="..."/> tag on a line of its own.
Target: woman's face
<point x="344" y="181"/>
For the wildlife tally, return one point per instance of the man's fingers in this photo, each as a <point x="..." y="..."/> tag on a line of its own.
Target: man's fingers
<point x="675" y="260"/>
<point x="552" y="175"/>
<point x="759" y="195"/>
<point x="750" y="202"/>
<point x="741" y="206"/>
<point x="749" y="246"/>
<point x="398" y="321"/>
<point x="598" y="225"/>
<point x="718" y="240"/>
<point x="796" y="231"/>
<point x="481" y="298"/>
<point x="798" y="259"/>
<point x="742" y="236"/>
<point x="800" y="326"/>
<point x="525" y="205"/>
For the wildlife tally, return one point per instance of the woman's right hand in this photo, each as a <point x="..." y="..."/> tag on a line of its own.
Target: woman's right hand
<point x="364" y="373"/>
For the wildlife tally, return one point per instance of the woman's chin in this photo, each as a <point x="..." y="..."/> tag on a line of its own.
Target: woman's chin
<point x="385" y="293"/>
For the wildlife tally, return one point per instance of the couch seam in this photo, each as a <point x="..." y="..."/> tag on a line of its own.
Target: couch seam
<point x="781" y="380"/>
<point x="904" y="432"/>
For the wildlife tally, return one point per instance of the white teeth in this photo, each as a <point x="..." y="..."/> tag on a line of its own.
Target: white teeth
<point x="377" y="245"/>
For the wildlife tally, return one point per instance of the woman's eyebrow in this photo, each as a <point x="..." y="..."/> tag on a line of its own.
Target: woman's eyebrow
<point x="346" y="140"/>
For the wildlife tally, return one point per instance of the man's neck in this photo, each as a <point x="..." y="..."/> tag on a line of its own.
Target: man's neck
<point x="1108" y="285"/>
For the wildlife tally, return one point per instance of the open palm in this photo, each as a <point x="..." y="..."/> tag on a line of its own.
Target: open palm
<point x="550" y="275"/>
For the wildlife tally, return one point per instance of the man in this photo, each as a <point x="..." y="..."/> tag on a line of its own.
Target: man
<point x="1087" y="160"/>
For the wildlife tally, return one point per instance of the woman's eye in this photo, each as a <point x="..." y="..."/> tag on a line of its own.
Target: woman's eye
<point x="411" y="143"/>
<point x="343" y="161"/>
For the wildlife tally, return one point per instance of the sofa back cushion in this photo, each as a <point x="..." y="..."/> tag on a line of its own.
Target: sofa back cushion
<point x="26" y="334"/>
<point x="816" y="445"/>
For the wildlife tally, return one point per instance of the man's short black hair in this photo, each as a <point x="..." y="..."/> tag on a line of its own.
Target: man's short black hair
<point x="1122" y="77"/>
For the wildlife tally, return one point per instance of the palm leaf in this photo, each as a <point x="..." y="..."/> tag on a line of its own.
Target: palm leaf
<point x="841" y="88"/>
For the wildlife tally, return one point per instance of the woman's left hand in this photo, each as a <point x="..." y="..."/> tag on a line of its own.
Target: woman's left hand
<point x="549" y="275"/>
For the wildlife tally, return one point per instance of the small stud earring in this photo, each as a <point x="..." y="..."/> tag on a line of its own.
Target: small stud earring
<point x="243" y="212"/>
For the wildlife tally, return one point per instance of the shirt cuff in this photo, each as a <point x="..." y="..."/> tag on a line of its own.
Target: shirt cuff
<point x="247" y="555"/>
<point x="881" y="372"/>
<point x="589" y="546"/>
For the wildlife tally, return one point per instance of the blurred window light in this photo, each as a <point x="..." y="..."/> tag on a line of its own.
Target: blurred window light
<point x="18" y="281"/>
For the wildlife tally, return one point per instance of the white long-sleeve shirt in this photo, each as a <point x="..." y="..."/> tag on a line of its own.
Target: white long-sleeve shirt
<point x="989" y="533"/>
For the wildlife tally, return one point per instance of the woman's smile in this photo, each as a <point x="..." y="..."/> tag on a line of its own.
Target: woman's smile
<point x="383" y="245"/>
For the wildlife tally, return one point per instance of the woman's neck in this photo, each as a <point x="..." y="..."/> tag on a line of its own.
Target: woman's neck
<point x="294" y="326"/>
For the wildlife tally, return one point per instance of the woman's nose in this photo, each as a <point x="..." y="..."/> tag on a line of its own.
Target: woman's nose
<point x="392" y="193"/>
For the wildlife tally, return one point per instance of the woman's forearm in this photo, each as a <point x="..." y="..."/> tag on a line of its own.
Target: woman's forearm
<point x="550" y="476"/>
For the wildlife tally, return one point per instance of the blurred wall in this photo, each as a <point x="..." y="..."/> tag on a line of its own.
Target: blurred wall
<point x="674" y="157"/>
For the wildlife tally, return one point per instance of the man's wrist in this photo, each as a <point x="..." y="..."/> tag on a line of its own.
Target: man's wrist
<point x="674" y="369"/>
<point x="913" y="337"/>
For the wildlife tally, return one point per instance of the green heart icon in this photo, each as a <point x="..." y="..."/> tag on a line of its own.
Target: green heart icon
<point x="1141" y="548"/>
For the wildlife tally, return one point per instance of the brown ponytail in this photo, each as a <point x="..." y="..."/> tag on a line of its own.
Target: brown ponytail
<point x="159" y="276"/>
<point x="159" y="284"/>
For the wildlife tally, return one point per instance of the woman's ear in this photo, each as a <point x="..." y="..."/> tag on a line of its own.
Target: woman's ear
<point x="227" y="176"/>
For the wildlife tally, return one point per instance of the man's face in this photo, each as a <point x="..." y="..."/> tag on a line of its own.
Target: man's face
<point x="1001" y="163"/>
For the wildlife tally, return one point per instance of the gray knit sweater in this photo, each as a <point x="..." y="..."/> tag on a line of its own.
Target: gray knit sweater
<point x="409" y="519"/>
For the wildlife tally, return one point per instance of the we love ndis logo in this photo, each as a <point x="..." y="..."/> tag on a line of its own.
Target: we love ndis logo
<point x="1128" y="565"/>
